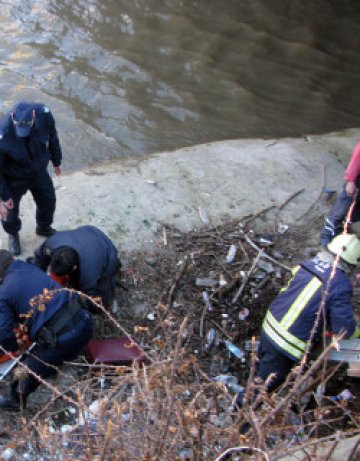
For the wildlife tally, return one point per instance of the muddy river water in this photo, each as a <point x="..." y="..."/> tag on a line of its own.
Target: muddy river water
<point x="152" y="75"/>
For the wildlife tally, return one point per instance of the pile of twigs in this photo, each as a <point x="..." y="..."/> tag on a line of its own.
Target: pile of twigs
<point x="197" y="334"/>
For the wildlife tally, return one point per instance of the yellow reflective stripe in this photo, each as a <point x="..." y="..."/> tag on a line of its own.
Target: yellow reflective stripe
<point x="300" y="302"/>
<point x="279" y="329"/>
<point x="356" y="333"/>
<point x="281" y="342"/>
<point x="293" y="271"/>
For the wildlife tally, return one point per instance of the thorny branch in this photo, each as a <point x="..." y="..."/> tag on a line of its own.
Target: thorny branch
<point x="173" y="407"/>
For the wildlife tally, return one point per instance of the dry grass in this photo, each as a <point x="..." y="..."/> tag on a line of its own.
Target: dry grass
<point x="171" y="408"/>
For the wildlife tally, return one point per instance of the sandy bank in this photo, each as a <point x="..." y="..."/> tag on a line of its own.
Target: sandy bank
<point x="130" y="199"/>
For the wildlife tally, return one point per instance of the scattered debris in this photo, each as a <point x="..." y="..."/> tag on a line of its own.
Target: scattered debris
<point x="203" y="216"/>
<point x="234" y="349"/>
<point x="231" y="254"/>
<point x="344" y="395"/>
<point x="210" y="339"/>
<point x="230" y="381"/>
<point x="201" y="341"/>
<point x="205" y="282"/>
<point x="207" y="301"/>
<point x="243" y="313"/>
<point x="282" y="228"/>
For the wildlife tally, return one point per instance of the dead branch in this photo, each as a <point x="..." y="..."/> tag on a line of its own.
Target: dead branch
<point x="265" y="255"/>
<point x="160" y="446"/>
<point x="240" y="449"/>
<point x="178" y="276"/>
<point x="282" y="205"/>
<point x="317" y="198"/>
<point x="248" y="275"/>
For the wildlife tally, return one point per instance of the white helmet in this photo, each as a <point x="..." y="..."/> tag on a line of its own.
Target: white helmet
<point x="347" y="246"/>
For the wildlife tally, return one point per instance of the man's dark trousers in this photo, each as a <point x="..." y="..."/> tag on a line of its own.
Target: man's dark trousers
<point x="43" y="192"/>
<point x="69" y="345"/>
<point x="272" y="360"/>
<point x="337" y="215"/>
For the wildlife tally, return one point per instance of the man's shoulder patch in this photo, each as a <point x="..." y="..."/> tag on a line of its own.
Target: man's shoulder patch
<point x="46" y="110"/>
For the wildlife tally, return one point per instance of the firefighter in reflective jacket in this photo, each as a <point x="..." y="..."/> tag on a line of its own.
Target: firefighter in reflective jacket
<point x="291" y="317"/>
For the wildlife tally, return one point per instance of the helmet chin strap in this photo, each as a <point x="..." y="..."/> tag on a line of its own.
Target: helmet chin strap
<point x="328" y="257"/>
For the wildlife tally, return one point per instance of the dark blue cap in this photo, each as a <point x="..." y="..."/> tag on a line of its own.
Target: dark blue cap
<point x="23" y="119"/>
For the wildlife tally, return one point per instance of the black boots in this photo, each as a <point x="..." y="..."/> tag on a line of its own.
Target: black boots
<point x="12" y="402"/>
<point x="45" y="231"/>
<point x="14" y="240"/>
<point x="14" y="244"/>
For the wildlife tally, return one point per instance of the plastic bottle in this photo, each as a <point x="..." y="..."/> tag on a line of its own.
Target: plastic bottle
<point x="251" y="345"/>
<point x="231" y="254"/>
<point x="210" y="338"/>
<point x="205" y="282"/>
<point x="344" y="395"/>
<point x="207" y="301"/>
<point x="230" y="381"/>
<point x="234" y="349"/>
<point x="203" y="216"/>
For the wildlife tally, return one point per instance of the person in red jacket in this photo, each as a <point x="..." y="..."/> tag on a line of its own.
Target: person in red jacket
<point x="337" y="214"/>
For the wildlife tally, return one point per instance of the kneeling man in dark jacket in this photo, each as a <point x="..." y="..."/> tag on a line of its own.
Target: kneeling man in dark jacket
<point x="84" y="259"/>
<point x="53" y="317"/>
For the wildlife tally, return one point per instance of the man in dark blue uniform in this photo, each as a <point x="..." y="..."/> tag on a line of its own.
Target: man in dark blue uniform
<point x="53" y="317"/>
<point x="28" y="141"/>
<point x="85" y="257"/>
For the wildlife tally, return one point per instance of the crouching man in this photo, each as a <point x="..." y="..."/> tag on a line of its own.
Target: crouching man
<point x="84" y="259"/>
<point x="52" y="316"/>
<point x="291" y="318"/>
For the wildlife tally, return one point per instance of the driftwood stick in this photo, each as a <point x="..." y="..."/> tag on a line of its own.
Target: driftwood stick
<point x="203" y="313"/>
<point x="317" y="198"/>
<point x="295" y="194"/>
<point x="241" y="246"/>
<point x="261" y="284"/>
<point x="170" y="296"/>
<point x="282" y="205"/>
<point x="265" y="255"/>
<point x="248" y="218"/>
<point x="221" y="329"/>
<point x="219" y="292"/>
<point x="248" y="275"/>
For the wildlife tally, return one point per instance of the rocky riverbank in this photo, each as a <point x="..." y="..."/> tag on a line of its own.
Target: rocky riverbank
<point x="131" y="199"/>
<point x="189" y="206"/>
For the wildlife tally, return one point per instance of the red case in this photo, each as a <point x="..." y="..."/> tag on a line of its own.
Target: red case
<point x="113" y="351"/>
